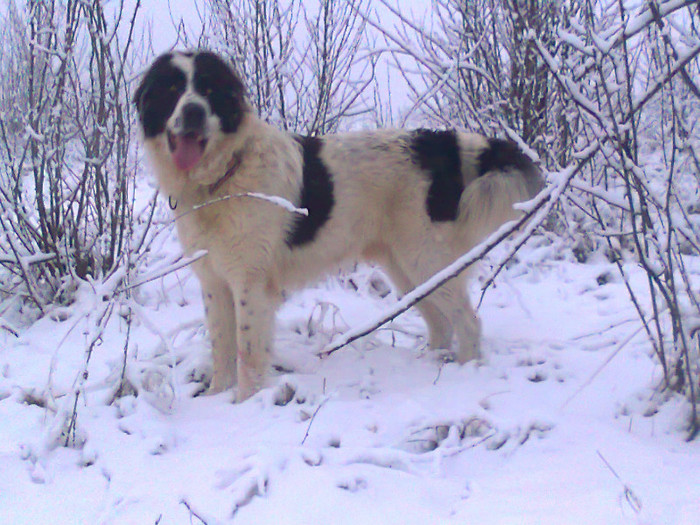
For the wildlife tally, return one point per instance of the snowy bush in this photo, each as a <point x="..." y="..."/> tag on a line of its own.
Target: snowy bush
<point x="607" y="90"/>
<point x="304" y="62"/>
<point x="631" y="76"/>
<point x="66" y="146"/>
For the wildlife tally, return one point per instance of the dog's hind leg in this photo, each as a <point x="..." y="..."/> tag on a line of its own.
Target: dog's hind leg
<point x="439" y="326"/>
<point x="448" y="310"/>
<point x="221" y="322"/>
<point x="467" y="326"/>
<point x="452" y="302"/>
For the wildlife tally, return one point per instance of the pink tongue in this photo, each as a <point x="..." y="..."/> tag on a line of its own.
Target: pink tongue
<point x="187" y="152"/>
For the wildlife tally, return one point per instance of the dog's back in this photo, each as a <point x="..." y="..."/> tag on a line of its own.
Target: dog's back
<point x="374" y="190"/>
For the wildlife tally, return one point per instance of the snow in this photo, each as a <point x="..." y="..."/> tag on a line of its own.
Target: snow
<point x="561" y="421"/>
<point x="381" y="431"/>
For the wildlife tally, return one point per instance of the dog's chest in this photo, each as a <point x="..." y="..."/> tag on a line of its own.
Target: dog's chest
<point x="238" y="232"/>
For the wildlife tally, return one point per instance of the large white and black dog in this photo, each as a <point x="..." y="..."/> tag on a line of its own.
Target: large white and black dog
<point x="412" y="201"/>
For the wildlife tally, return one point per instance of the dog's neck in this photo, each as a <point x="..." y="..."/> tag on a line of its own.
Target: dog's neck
<point x="231" y="169"/>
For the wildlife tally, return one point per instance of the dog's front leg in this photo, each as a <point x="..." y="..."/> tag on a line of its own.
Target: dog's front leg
<point x="255" y="312"/>
<point x="221" y="322"/>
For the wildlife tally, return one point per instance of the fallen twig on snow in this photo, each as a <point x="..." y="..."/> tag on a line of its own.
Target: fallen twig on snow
<point x="605" y="363"/>
<point x="192" y="512"/>
<point x="634" y="502"/>
<point x="313" y="417"/>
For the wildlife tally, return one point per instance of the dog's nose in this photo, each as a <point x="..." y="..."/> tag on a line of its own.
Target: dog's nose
<point x="192" y="117"/>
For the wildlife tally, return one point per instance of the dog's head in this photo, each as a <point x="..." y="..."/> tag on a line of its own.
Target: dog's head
<point x="186" y="102"/>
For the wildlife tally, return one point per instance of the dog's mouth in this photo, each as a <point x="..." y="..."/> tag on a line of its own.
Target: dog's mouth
<point x="186" y="148"/>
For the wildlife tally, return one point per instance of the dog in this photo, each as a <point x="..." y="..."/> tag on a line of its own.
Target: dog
<point x="410" y="201"/>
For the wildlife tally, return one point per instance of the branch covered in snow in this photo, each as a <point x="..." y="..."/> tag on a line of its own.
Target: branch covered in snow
<point x="273" y="199"/>
<point x="182" y="263"/>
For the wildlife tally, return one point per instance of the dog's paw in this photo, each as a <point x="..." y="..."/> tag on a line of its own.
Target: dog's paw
<point x="251" y="380"/>
<point x="220" y="383"/>
<point x="441" y="355"/>
<point x="215" y="391"/>
<point x="245" y="391"/>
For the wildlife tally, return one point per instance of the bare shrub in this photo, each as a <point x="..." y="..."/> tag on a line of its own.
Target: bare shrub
<point x="66" y="182"/>
<point x="302" y="62"/>
<point x="635" y="90"/>
<point x="601" y="89"/>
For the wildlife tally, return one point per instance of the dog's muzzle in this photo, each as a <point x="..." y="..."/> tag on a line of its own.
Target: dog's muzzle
<point x="188" y="139"/>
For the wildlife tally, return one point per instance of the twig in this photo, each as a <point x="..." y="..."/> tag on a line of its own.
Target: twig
<point x="97" y="323"/>
<point x="273" y="199"/>
<point x="185" y="261"/>
<point x="634" y="502"/>
<point x="119" y="392"/>
<point x="192" y="511"/>
<point x="24" y="268"/>
<point x="28" y="260"/>
<point x="602" y="366"/>
<point x="439" y="372"/>
<point x="313" y="417"/>
<point x="9" y="329"/>
<point x="601" y="331"/>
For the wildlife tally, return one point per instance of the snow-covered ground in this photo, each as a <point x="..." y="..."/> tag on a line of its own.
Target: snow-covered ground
<point x="382" y="432"/>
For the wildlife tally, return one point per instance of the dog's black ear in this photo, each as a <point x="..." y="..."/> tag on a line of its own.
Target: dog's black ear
<point x="138" y="94"/>
<point x="158" y="93"/>
<point x="219" y="83"/>
<point x="213" y="72"/>
<point x="148" y="79"/>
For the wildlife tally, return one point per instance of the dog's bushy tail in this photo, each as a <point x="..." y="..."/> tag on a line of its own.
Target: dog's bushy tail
<point x="505" y="176"/>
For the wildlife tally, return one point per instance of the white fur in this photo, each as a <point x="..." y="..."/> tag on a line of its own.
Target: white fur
<point x="379" y="215"/>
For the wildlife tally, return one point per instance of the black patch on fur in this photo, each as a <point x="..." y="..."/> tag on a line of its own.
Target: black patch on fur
<point x="158" y="94"/>
<point x="316" y="194"/>
<point x="220" y="85"/>
<point x="437" y="153"/>
<point x="503" y="155"/>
